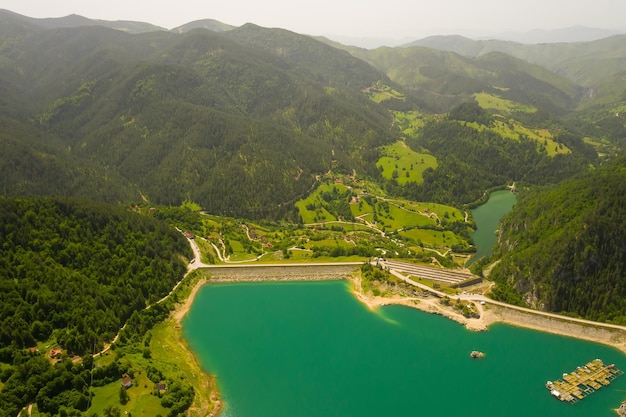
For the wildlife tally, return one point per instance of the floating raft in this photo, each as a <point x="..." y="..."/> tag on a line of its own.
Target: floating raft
<point x="583" y="381"/>
<point x="476" y="354"/>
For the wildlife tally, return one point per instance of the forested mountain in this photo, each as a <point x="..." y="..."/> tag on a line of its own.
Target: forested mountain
<point x="578" y="61"/>
<point x="72" y="273"/>
<point x="563" y="249"/>
<point x="447" y="79"/>
<point x="194" y="115"/>
<point x="77" y="270"/>
<point x="243" y="121"/>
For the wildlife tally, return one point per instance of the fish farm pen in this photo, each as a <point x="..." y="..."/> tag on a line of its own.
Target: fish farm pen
<point x="583" y="381"/>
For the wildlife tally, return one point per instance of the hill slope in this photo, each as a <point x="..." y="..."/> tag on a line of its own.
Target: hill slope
<point x="80" y="269"/>
<point x="444" y="79"/>
<point x="563" y="249"/>
<point x="245" y="121"/>
<point x="198" y="114"/>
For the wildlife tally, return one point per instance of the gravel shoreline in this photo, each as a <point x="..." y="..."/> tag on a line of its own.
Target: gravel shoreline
<point x="489" y="314"/>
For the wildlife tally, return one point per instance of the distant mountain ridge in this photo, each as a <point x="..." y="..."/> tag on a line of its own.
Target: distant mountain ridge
<point x="208" y="24"/>
<point x="577" y="61"/>
<point x="563" y="35"/>
<point x="73" y="21"/>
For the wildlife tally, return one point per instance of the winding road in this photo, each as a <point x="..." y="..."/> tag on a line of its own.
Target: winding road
<point x="395" y="268"/>
<point x="482" y="299"/>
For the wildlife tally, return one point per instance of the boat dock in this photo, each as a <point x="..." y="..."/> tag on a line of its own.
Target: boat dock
<point x="583" y="381"/>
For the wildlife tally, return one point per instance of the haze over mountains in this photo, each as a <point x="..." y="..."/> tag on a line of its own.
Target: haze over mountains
<point x="578" y="33"/>
<point x="193" y="112"/>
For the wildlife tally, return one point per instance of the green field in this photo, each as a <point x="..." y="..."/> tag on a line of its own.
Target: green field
<point x="426" y="222"/>
<point x="432" y="238"/>
<point x="410" y="122"/>
<point x="434" y="210"/>
<point x="493" y="102"/>
<point x="398" y="217"/>
<point x="312" y="209"/>
<point x="511" y="129"/>
<point x="239" y="252"/>
<point x="142" y="401"/>
<point x="404" y="165"/>
<point x="362" y="207"/>
<point x="380" y="92"/>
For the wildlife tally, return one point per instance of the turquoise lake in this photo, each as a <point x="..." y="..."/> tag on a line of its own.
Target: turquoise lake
<point x="487" y="218"/>
<point x="304" y="349"/>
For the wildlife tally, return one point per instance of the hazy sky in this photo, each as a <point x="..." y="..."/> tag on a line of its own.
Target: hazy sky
<point x="357" y="18"/>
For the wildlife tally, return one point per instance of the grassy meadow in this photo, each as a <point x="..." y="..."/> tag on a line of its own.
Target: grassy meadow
<point x="380" y="92"/>
<point x="492" y="102"/>
<point x="410" y="122"/>
<point x="509" y="128"/>
<point x="404" y="165"/>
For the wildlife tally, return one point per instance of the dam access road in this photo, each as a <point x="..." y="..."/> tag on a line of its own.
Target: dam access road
<point x="403" y="271"/>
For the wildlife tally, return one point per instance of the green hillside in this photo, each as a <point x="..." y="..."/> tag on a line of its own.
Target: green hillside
<point x="195" y="115"/>
<point x="477" y="150"/>
<point x="400" y="163"/>
<point x="563" y="250"/>
<point x="72" y="273"/>
<point x="447" y="79"/>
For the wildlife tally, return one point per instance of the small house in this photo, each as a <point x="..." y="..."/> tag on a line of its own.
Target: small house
<point x="160" y="387"/>
<point x="127" y="382"/>
<point x="55" y="353"/>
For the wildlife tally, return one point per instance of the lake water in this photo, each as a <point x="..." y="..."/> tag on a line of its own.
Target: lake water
<point x="487" y="218"/>
<point x="305" y="349"/>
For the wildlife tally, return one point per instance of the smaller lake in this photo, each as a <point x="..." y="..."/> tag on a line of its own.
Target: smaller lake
<point x="487" y="218"/>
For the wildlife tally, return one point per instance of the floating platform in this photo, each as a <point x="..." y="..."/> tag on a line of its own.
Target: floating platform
<point x="476" y="354"/>
<point x="583" y="381"/>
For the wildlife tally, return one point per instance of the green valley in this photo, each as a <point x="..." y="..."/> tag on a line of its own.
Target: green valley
<point x="267" y="147"/>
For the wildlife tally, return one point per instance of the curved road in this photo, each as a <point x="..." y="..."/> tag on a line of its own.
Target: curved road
<point x="196" y="263"/>
<point x="481" y="298"/>
<point x="465" y="297"/>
